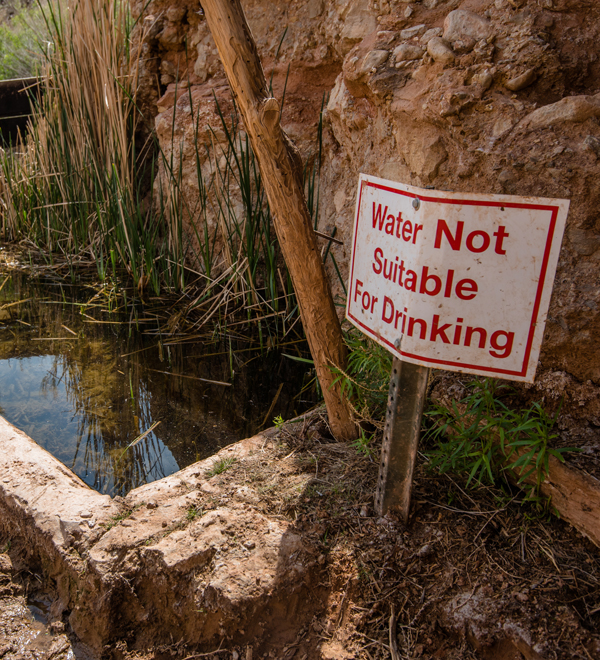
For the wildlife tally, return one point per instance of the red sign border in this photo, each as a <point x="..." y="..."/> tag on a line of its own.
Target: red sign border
<point x="465" y="202"/>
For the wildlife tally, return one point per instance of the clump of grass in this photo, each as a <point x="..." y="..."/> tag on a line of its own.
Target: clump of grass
<point x="483" y="438"/>
<point x="73" y="186"/>
<point x="362" y="444"/>
<point x="115" y="520"/>
<point x="193" y="513"/>
<point x="367" y="379"/>
<point x="219" y="466"/>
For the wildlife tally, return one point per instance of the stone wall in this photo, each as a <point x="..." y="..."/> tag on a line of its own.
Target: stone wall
<point x="490" y="96"/>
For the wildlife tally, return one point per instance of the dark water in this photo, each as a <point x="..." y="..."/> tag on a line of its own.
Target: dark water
<point x="86" y="396"/>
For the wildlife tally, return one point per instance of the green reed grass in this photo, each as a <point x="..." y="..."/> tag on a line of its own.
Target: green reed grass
<point x="72" y="189"/>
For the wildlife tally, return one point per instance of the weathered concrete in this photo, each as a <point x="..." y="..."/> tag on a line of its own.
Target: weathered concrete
<point x="191" y="552"/>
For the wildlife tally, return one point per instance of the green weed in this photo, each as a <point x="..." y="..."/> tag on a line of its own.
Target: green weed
<point x="479" y="435"/>
<point x="115" y="520"/>
<point x="367" y="379"/>
<point x="193" y="513"/>
<point x="219" y="466"/>
<point x="362" y="444"/>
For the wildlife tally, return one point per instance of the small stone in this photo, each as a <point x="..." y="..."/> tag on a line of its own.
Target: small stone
<point x="164" y="523"/>
<point x="483" y="78"/>
<point x="505" y="177"/>
<point x="583" y="241"/>
<point x="315" y="8"/>
<point x="570" y="109"/>
<point x="373" y="59"/>
<point x="408" y="12"/>
<point x="411" y="32"/>
<point x="57" y="627"/>
<point x="432" y="32"/>
<point x="408" y="52"/>
<point x="425" y="551"/>
<point x="465" y="28"/>
<point x="592" y="144"/>
<point x="175" y="13"/>
<point x="5" y="564"/>
<point x="364" y="511"/>
<point x="440" y="51"/>
<point x="522" y="598"/>
<point x="249" y="545"/>
<point x="386" y="36"/>
<point x="151" y="504"/>
<point x="91" y="524"/>
<point x="85" y="514"/>
<point x="522" y="81"/>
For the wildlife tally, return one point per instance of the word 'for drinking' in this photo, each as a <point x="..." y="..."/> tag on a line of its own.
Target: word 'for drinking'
<point x="499" y="342"/>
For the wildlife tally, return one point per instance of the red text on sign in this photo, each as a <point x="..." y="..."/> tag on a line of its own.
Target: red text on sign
<point x="476" y="241"/>
<point x="394" y="225"/>
<point x="395" y="271"/>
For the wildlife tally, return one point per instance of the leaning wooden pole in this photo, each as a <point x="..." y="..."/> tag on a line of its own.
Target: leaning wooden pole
<point x="281" y="171"/>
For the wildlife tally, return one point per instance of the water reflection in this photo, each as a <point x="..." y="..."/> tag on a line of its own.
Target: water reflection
<point x="85" y="390"/>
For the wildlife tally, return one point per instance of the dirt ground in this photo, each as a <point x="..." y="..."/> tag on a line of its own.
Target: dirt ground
<point x="23" y="633"/>
<point x="475" y="574"/>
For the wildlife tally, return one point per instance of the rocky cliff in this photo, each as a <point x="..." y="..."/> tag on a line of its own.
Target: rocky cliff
<point x="490" y="96"/>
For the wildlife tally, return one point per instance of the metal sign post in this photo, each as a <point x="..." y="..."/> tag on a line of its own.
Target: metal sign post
<point x="408" y="388"/>
<point x="455" y="281"/>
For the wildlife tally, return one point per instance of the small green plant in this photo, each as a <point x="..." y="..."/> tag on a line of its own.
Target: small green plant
<point x="115" y="520"/>
<point x="193" y="513"/>
<point x="362" y="444"/>
<point x="279" y="422"/>
<point x="480" y="434"/>
<point x="219" y="466"/>
<point x="367" y="379"/>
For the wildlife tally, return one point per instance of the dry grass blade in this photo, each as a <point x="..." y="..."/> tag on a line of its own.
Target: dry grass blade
<point x="204" y="380"/>
<point x="5" y="281"/>
<point x="140" y="437"/>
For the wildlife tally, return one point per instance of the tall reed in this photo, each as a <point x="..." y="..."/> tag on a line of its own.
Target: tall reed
<point x="72" y="186"/>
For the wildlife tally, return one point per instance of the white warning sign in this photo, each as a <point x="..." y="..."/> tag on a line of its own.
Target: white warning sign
<point x="454" y="281"/>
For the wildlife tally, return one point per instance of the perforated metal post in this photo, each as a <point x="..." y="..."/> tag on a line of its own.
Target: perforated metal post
<point x="408" y="388"/>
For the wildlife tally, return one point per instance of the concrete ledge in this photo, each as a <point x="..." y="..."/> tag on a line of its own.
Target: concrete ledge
<point x="191" y="555"/>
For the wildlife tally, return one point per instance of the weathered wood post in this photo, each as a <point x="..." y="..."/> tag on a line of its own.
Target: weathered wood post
<point x="281" y="171"/>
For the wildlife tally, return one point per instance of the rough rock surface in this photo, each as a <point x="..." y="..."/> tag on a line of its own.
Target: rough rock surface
<point x="491" y="96"/>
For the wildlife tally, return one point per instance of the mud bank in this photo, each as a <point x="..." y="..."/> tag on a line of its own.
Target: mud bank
<point x="271" y="549"/>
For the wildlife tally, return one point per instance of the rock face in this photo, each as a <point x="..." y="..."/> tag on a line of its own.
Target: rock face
<point x="492" y="96"/>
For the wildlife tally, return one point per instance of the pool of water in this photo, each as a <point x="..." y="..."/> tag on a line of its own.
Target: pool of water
<point x="85" y="383"/>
